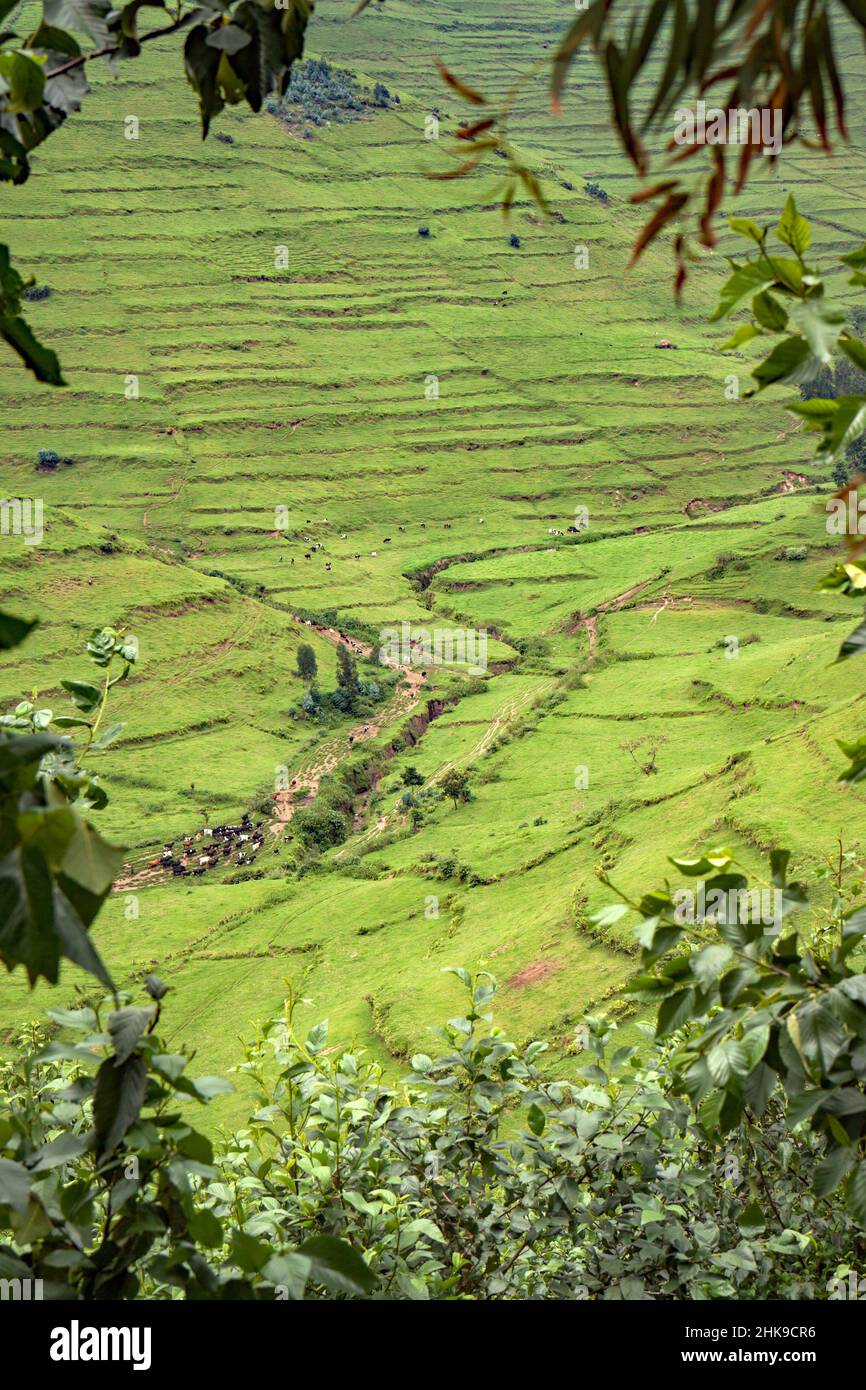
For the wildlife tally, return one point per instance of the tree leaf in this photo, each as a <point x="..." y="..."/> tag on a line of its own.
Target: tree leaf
<point x="793" y="229"/>
<point x="81" y="16"/>
<point x="747" y="280"/>
<point x="855" y="1193"/>
<point x="90" y="860"/>
<point x="117" y="1101"/>
<point x="125" y="1027"/>
<point x="14" y="1186"/>
<point x="820" y="324"/>
<point x="14" y="630"/>
<point x="337" y="1265"/>
<point x="790" y="361"/>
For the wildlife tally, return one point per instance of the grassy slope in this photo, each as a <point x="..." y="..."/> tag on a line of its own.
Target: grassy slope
<point x="552" y="396"/>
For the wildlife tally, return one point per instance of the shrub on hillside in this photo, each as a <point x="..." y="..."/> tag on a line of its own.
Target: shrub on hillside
<point x="608" y="1187"/>
<point x="318" y="94"/>
<point x="322" y="825"/>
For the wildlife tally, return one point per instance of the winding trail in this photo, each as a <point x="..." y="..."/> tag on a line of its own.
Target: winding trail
<point x="307" y="777"/>
<point x="305" y="780"/>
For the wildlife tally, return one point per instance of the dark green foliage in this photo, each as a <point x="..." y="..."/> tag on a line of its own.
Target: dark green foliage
<point x="476" y="1177"/>
<point x="761" y="1009"/>
<point x="788" y="302"/>
<point x="318" y="94"/>
<point x="328" y="820"/>
<point x="840" y="472"/>
<point x="348" y="686"/>
<point x="241" y="51"/>
<point x="455" y="784"/>
<point x="55" y="868"/>
<point x="42" y="361"/>
<point x="307" y="665"/>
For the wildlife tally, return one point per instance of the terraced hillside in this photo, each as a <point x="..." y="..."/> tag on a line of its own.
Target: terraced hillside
<point x="430" y="407"/>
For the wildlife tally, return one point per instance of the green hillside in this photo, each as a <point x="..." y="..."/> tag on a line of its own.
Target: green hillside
<point x="310" y="388"/>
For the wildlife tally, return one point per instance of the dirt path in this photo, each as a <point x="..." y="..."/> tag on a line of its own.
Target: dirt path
<point x="611" y="605"/>
<point x="501" y="720"/>
<point x="306" y="779"/>
<point x="308" y="776"/>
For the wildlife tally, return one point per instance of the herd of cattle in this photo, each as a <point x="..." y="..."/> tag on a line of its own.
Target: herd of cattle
<point x="211" y="846"/>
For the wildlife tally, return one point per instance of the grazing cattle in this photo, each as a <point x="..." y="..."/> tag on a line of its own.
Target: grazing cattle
<point x="387" y="540"/>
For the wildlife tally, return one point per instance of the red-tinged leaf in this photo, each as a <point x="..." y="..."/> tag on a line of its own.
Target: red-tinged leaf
<point x="646" y="195"/>
<point x="617" y="81"/>
<point x="746" y="157"/>
<point x="663" y="215"/>
<point x="586" y="24"/>
<point x="459" y="170"/>
<point x="829" y="59"/>
<point x="675" y="64"/>
<point x="681" y="274"/>
<point x="758" y="14"/>
<point x="533" y="187"/>
<point x="715" y="191"/>
<point x="812" y="79"/>
<point x="684" y="152"/>
<point x="651" y="28"/>
<point x="468" y="93"/>
<point x="712" y="79"/>
<point x="469" y="132"/>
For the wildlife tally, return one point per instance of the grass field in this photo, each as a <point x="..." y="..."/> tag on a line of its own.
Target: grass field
<point x="309" y="388"/>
